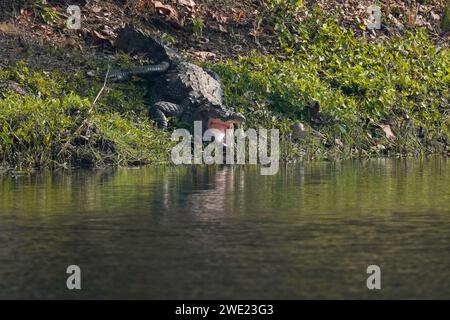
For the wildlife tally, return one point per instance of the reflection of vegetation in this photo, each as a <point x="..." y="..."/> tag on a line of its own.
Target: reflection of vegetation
<point x="157" y="219"/>
<point x="387" y="184"/>
<point x="85" y="191"/>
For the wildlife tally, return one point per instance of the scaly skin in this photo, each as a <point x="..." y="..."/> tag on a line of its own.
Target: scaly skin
<point x="181" y="89"/>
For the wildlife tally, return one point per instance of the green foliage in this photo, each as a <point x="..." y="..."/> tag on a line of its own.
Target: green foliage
<point x="167" y="39"/>
<point x="282" y="17"/>
<point x="43" y="129"/>
<point x="50" y="15"/>
<point x="403" y="82"/>
<point x="198" y="24"/>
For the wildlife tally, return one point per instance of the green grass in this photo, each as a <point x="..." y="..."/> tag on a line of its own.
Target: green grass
<point x="403" y="82"/>
<point x="53" y="127"/>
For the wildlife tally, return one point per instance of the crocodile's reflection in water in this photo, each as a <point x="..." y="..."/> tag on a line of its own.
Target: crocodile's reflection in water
<point x="217" y="194"/>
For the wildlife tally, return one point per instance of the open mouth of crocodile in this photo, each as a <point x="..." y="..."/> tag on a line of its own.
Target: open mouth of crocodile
<point x="222" y="127"/>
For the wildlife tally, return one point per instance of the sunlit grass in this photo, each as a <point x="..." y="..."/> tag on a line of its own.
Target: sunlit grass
<point x="402" y="82"/>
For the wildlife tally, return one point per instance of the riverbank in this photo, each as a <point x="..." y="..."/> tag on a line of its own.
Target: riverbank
<point x="333" y="90"/>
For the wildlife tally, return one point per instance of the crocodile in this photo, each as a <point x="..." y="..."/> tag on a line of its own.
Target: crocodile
<point x="178" y="88"/>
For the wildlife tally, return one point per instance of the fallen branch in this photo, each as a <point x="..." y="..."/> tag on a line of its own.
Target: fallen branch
<point x="99" y="93"/>
<point x="86" y="120"/>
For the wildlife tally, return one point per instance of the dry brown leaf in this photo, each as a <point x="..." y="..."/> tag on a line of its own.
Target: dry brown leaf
<point x="219" y="17"/>
<point x="165" y="9"/>
<point x="387" y="131"/>
<point x="108" y="31"/>
<point x="8" y="28"/>
<point x="205" y="55"/>
<point x="435" y="16"/>
<point x="96" y="9"/>
<point x="99" y="35"/>
<point x="222" y="29"/>
<point x="338" y="142"/>
<point x="187" y="3"/>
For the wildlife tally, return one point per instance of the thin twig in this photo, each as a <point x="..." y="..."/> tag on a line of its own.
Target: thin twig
<point x="85" y="121"/>
<point x="100" y="92"/>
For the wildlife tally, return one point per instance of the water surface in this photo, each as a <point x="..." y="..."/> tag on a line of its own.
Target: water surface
<point x="310" y="231"/>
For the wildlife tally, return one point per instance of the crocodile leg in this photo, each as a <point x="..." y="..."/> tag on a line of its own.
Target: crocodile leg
<point x="161" y="110"/>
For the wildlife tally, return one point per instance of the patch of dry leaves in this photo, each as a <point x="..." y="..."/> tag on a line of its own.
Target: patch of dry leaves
<point x="229" y="25"/>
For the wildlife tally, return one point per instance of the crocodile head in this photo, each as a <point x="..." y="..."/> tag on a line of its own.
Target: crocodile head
<point x="221" y="119"/>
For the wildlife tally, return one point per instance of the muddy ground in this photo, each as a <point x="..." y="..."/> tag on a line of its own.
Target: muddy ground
<point x="203" y="29"/>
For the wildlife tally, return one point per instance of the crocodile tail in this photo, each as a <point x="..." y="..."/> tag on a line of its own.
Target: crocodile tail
<point x="133" y="40"/>
<point x="150" y="69"/>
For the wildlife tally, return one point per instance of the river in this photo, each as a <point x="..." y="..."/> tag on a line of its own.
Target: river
<point x="224" y="232"/>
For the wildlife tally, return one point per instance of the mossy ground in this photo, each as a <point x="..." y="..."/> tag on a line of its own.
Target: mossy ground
<point x="361" y="87"/>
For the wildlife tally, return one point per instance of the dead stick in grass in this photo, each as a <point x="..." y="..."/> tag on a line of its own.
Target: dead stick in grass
<point x="85" y="121"/>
